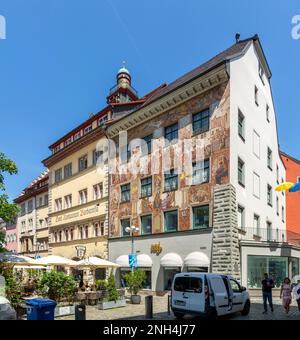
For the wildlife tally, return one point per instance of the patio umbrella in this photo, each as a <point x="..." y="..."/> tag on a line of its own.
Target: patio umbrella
<point x="16" y="259"/>
<point x="54" y="260"/>
<point x="295" y="188"/>
<point x="284" y="186"/>
<point x="21" y="266"/>
<point x="95" y="262"/>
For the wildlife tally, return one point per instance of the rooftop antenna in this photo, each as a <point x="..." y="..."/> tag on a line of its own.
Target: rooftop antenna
<point x="237" y="37"/>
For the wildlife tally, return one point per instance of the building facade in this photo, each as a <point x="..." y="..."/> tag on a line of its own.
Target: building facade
<point x="32" y="222"/>
<point x="292" y="199"/>
<point x="221" y="214"/>
<point x="11" y="237"/>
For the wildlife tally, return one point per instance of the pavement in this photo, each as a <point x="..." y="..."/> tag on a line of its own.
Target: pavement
<point x="160" y="312"/>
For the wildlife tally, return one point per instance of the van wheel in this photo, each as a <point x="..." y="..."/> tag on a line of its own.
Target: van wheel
<point x="246" y="309"/>
<point x="178" y="315"/>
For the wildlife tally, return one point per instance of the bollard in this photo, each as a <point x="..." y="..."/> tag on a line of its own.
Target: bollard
<point x="149" y="307"/>
<point x="169" y="304"/>
<point x="80" y="312"/>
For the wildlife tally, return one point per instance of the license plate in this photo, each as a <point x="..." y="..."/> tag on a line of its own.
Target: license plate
<point x="180" y="303"/>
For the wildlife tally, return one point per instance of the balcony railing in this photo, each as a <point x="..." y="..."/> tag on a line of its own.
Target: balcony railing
<point x="264" y="235"/>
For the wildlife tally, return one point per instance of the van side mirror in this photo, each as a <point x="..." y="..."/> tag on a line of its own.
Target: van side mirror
<point x="243" y="289"/>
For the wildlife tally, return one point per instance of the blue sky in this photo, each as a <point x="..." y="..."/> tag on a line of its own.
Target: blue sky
<point x="60" y="58"/>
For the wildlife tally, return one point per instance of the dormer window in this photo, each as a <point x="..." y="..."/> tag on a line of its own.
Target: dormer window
<point x="77" y="135"/>
<point x="88" y="129"/>
<point x="68" y="141"/>
<point x="102" y="121"/>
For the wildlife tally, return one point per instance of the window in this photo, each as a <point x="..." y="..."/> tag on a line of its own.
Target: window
<point x="171" y="181"/>
<point x="261" y="73"/>
<point x="241" y="217"/>
<point x="96" y="156"/>
<point x="188" y="285"/>
<point x="46" y="199"/>
<point x="241" y="125"/>
<point x="256" y="185"/>
<point x="68" y="170"/>
<point x="39" y="202"/>
<point x="102" y="230"/>
<point x="283" y="214"/>
<point x="58" y="175"/>
<point x="171" y="221"/>
<point x="77" y="135"/>
<point x="68" y="141"/>
<point x="67" y="235"/>
<point x="201" y="121"/>
<point x="269" y="231"/>
<point x="269" y="155"/>
<point x="277" y="173"/>
<point x="148" y="140"/>
<point x="201" y="172"/>
<point x="23" y="209"/>
<point x="146" y="224"/>
<point x="269" y="195"/>
<point x="256" y="144"/>
<point x="71" y="234"/>
<point x="102" y="121"/>
<point x="30" y="224"/>
<point x="146" y="187"/>
<point x="88" y="129"/>
<point x="256" y="95"/>
<point x="55" y="237"/>
<point x="86" y="229"/>
<point x="68" y="201"/>
<point x="236" y="288"/>
<point x="80" y="232"/>
<point x="98" y="191"/>
<point x="58" y="204"/>
<point x="171" y="132"/>
<point x="83" y="196"/>
<point x="41" y="223"/>
<point x="241" y="172"/>
<point x="125" y="224"/>
<point x="23" y="226"/>
<point x="256" y="225"/>
<point x="125" y="154"/>
<point x="201" y="217"/>
<point x="96" y="230"/>
<point x="30" y="206"/>
<point x="268" y="113"/>
<point x="277" y="205"/>
<point x="83" y="163"/>
<point x="125" y="193"/>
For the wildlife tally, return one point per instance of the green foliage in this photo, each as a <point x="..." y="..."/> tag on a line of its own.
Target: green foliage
<point x="113" y="294"/>
<point x="135" y="280"/>
<point x="57" y="285"/>
<point x="7" y="210"/>
<point x="101" y="284"/>
<point x="12" y="285"/>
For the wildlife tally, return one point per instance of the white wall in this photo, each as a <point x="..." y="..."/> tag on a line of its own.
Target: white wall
<point x="244" y="75"/>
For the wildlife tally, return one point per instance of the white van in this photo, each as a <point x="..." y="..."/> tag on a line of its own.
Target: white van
<point x="209" y="295"/>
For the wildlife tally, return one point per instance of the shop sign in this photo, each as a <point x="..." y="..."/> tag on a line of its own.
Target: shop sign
<point x="156" y="248"/>
<point x="80" y="251"/>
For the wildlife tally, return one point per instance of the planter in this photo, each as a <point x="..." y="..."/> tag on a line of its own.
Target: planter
<point x="136" y="299"/>
<point x="103" y="305"/>
<point x="64" y="310"/>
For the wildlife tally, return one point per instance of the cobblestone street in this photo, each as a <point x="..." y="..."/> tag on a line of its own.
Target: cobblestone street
<point x="160" y="311"/>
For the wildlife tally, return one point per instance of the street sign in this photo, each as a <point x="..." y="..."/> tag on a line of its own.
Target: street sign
<point x="132" y="259"/>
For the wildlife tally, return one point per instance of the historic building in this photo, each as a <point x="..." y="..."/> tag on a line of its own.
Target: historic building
<point x="292" y="166"/>
<point x="32" y="222"/>
<point x="11" y="236"/>
<point x="221" y="213"/>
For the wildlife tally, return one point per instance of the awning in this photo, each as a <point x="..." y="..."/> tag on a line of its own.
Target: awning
<point x="143" y="261"/>
<point x="171" y="260"/>
<point x="197" y="259"/>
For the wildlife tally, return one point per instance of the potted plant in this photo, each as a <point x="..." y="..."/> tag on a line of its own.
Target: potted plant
<point x="135" y="281"/>
<point x="61" y="288"/>
<point x="110" y="296"/>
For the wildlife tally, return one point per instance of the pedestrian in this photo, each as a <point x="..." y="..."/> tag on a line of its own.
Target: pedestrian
<point x="297" y="293"/>
<point x="267" y="285"/>
<point x="286" y="294"/>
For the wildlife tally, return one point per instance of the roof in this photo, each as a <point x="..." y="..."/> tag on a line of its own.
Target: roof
<point x="290" y="157"/>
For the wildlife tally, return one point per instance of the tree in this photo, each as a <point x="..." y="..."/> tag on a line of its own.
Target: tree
<point x="2" y="242"/>
<point x="7" y="210"/>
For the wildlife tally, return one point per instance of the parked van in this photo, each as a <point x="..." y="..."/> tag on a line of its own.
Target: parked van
<point x="211" y="295"/>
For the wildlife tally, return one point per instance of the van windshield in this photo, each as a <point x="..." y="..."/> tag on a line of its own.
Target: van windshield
<point x="188" y="284"/>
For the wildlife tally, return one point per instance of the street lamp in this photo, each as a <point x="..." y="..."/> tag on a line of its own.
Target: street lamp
<point x="131" y="230"/>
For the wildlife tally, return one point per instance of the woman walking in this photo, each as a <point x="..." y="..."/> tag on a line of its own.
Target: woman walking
<point x="286" y="294"/>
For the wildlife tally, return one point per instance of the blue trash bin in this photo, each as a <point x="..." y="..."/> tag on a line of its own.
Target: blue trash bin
<point x="40" y="309"/>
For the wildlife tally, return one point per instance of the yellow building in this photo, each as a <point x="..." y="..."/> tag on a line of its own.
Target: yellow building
<point x="78" y="194"/>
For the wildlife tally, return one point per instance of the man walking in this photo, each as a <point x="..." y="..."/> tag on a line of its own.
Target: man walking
<point x="297" y="293"/>
<point x="267" y="285"/>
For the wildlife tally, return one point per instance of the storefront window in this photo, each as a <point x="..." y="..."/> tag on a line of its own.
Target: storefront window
<point x="295" y="267"/>
<point x="276" y="267"/>
<point x="147" y="283"/>
<point x="169" y="274"/>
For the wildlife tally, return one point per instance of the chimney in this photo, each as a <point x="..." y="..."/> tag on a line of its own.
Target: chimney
<point x="237" y="37"/>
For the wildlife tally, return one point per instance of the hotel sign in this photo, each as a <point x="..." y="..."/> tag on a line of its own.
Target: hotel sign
<point x="77" y="214"/>
<point x="156" y="248"/>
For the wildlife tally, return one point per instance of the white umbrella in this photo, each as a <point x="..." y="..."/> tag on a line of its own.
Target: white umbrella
<point x="54" y="260"/>
<point x="96" y="262"/>
<point x="17" y="266"/>
<point x="17" y="259"/>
